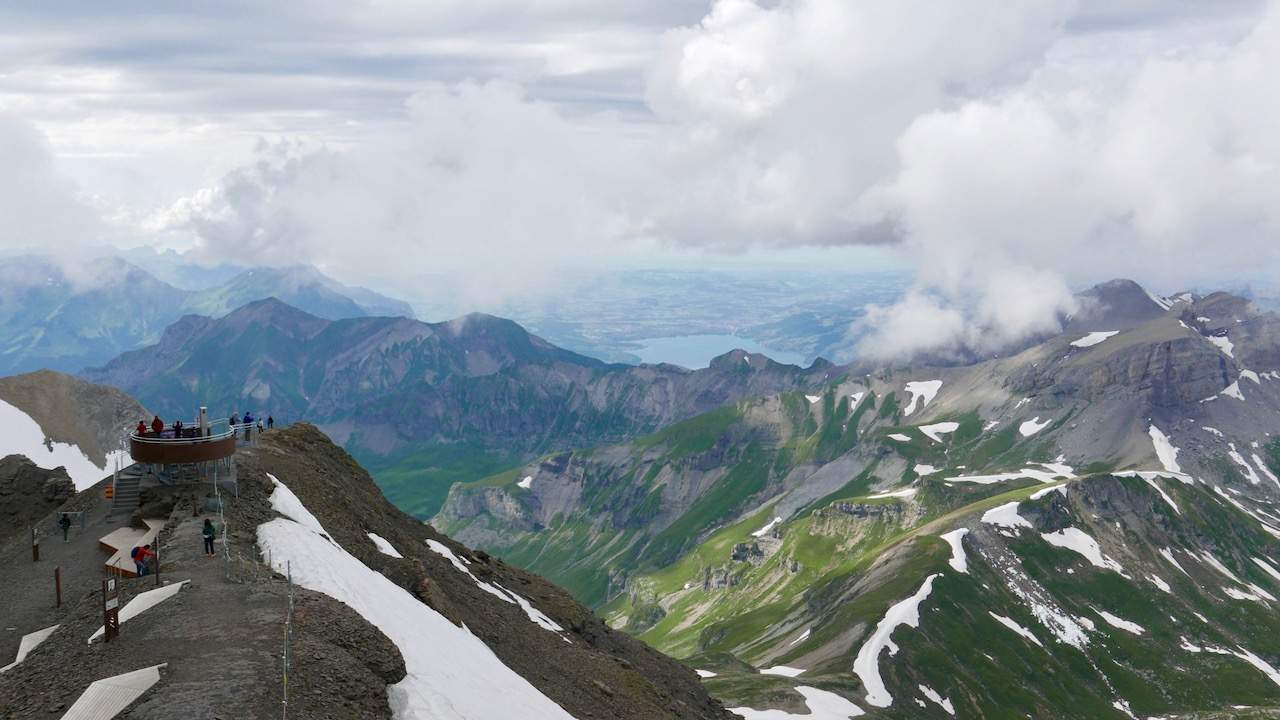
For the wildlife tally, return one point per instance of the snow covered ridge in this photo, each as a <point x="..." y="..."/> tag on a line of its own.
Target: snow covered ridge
<point x="450" y="673"/>
<point x="21" y="435"/>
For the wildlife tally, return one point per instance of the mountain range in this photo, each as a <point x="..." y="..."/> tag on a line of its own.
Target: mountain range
<point x="1081" y="527"/>
<point x="69" y="315"/>
<point x="1099" y="506"/>
<point x="478" y="391"/>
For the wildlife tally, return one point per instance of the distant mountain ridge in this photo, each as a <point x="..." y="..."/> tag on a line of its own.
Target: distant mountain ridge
<point x="67" y="316"/>
<point x="478" y="379"/>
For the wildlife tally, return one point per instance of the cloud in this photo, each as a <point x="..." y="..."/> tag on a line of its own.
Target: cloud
<point x="39" y="206"/>
<point x="1173" y="180"/>
<point x="485" y="150"/>
<point x="484" y="194"/>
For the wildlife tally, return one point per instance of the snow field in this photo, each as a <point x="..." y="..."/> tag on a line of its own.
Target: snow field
<point x="23" y="436"/>
<point x="450" y="673"/>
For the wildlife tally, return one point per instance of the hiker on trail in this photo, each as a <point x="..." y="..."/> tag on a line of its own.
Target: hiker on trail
<point x="141" y="429"/>
<point x="235" y="420"/>
<point x="271" y="422"/>
<point x="209" y="533"/>
<point x="157" y="425"/>
<point x="177" y="429"/>
<point x="140" y="555"/>
<point x="248" y="425"/>
<point x="64" y="522"/>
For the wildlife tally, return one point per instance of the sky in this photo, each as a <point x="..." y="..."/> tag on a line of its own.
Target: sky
<point x="1007" y="152"/>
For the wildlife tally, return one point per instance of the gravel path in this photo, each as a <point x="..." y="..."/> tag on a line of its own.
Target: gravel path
<point x="26" y="592"/>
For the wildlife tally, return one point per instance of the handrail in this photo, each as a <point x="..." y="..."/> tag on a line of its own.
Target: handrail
<point x="135" y="437"/>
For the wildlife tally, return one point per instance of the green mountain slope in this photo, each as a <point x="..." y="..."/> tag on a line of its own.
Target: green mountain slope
<point x="1112" y="501"/>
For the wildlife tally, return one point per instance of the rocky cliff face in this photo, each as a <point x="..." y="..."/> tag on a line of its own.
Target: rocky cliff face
<point x="28" y="493"/>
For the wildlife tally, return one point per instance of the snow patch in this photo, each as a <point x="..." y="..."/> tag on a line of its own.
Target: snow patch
<point x="383" y="546"/>
<point x="895" y="494"/>
<point x="922" y="392"/>
<point x="1094" y="338"/>
<point x="1262" y="465"/>
<point x="867" y="665"/>
<point x="141" y="603"/>
<point x="1080" y="542"/>
<point x="782" y="670"/>
<point x="923" y="470"/>
<point x="1233" y="390"/>
<point x="535" y="615"/>
<point x="944" y="703"/>
<point x="822" y="705"/>
<point x="1268" y="567"/>
<point x="526" y="482"/>
<point x="1045" y="476"/>
<point x="958" y="561"/>
<point x="899" y="437"/>
<point x="942" y="428"/>
<point x="802" y="637"/>
<point x="1168" y="555"/>
<point x="1214" y="431"/>
<point x="1163" y="303"/>
<point x="1160" y="583"/>
<point x="768" y="526"/>
<point x="1120" y="623"/>
<point x="1033" y="426"/>
<point x="705" y="673"/>
<point x="1244" y="465"/>
<point x="1055" y="488"/>
<point x="1224" y="344"/>
<point x="1007" y="622"/>
<point x="855" y="400"/>
<point x="1165" y="451"/>
<point x="1005" y="516"/>
<point x="812" y="398"/>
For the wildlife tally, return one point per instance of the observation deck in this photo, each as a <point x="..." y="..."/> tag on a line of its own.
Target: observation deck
<point x="216" y="440"/>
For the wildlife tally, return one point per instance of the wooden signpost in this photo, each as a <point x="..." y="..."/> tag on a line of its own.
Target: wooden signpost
<point x="110" y="609"/>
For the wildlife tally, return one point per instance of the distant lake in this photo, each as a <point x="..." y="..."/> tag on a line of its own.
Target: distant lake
<point x="696" y="351"/>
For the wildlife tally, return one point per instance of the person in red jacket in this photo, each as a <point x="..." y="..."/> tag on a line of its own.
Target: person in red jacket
<point x="140" y="555"/>
<point x="141" y="429"/>
<point x="157" y="425"/>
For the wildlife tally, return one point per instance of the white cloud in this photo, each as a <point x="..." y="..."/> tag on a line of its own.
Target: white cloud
<point x="1174" y="181"/>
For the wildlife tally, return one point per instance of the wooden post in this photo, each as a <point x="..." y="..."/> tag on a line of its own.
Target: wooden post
<point x="35" y="545"/>
<point x="57" y="586"/>
<point x="157" y="559"/>
<point x="110" y="609"/>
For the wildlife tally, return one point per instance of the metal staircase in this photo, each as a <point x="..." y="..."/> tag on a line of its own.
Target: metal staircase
<point x="125" y="499"/>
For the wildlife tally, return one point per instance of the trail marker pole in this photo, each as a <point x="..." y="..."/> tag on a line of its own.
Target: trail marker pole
<point x="57" y="586"/>
<point x="110" y="609"/>
<point x="35" y="544"/>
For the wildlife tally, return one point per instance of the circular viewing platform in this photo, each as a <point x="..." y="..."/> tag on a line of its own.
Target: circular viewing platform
<point x="165" y="449"/>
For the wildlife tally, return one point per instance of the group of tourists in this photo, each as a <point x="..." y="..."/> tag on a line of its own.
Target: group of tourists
<point x="179" y="431"/>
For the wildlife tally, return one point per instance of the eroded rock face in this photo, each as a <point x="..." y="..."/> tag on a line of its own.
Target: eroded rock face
<point x="28" y="493"/>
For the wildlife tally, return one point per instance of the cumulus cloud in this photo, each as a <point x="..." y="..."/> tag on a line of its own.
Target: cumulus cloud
<point x="1175" y="181"/>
